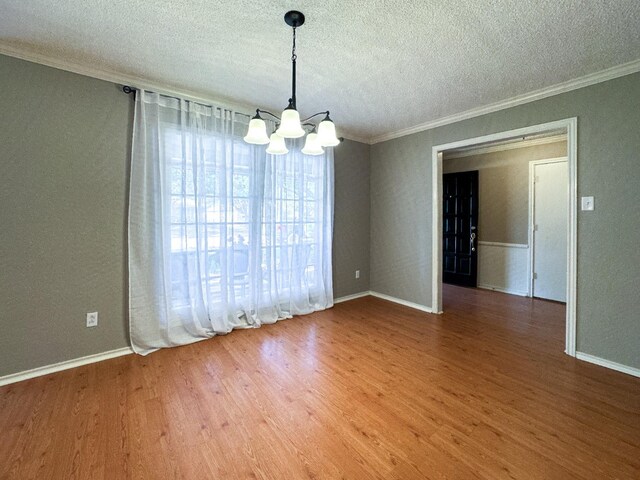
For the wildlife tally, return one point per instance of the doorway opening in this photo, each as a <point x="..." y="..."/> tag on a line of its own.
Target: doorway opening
<point x="458" y="236"/>
<point x="492" y="222"/>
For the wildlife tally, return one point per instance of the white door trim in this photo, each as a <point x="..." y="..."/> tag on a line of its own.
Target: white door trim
<point x="532" y="200"/>
<point x="571" y="127"/>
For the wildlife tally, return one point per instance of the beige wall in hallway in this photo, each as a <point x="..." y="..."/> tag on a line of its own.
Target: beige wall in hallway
<point x="504" y="189"/>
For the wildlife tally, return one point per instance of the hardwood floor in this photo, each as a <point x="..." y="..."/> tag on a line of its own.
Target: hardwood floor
<point x="368" y="389"/>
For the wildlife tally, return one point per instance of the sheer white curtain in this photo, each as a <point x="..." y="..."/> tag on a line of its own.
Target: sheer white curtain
<point x="221" y="235"/>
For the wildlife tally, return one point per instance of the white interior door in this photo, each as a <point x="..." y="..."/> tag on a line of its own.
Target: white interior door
<point x="550" y="220"/>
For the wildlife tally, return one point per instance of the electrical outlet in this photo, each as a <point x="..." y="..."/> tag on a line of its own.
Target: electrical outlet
<point x="357" y="273"/>
<point x="92" y="319"/>
<point x="587" y="204"/>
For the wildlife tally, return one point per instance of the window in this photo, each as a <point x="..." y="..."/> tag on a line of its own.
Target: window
<point x="212" y="209"/>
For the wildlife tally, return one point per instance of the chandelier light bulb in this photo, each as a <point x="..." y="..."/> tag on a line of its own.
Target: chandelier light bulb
<point x="257" y="133"/>
<point x="290" y="125"/>
<point x="277" y="146"/>
<point x="312" y="145"/>
<point x="327" y="133"/>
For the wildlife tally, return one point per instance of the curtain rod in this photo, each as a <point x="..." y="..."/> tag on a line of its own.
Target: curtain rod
<point x="132" y="90"/>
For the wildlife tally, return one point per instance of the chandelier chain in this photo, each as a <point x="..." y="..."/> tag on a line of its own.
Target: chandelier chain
<point x="294" y="57"/>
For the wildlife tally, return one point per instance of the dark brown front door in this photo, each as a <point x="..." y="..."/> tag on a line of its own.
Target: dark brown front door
<point x="460" y="229"/>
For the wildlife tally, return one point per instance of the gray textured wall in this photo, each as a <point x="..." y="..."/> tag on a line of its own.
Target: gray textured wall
<point x="351" y="218"/>
<point x="608" y="168"/>
<point x="503" y="187"/>
<point x="64" y="162"/>
<point x="64" y="156"/>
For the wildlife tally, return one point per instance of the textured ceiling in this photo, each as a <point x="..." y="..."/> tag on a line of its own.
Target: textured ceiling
<point x="379" y="66"/>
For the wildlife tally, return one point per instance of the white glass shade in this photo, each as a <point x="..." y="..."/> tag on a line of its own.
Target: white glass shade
<point x="277" y="145"/>
<point x="312" y="145"/>
<point x="257" y="133"/>
<point x="327" y="134"/>
<point x="290" y="124"/>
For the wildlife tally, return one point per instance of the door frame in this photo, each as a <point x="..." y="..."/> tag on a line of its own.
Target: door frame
<point x="532" y="204"/>
<point x="570" y="126"/>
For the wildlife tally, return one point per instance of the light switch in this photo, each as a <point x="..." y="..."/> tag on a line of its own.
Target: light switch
<point x="587" y="204"/>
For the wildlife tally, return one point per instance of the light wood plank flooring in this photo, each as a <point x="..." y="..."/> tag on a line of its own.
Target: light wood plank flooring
<point x="368" y="389"/>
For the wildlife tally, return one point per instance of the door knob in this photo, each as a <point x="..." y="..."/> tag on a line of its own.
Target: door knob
<point x="473" y="238"/>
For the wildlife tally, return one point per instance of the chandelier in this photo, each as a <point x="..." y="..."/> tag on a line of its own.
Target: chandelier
<point x="289" y="125"/>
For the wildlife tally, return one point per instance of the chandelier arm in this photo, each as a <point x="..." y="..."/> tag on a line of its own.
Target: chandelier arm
<point x="315" y="115"/>
<point x="268" y="113"/>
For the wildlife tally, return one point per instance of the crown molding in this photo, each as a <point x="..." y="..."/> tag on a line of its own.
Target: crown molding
<point x="472" y="151"/>
<point x="119" y="78"/>
<point x="585" y="81"/>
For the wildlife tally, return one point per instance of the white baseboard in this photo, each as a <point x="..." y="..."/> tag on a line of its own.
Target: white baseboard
<point x="504" y="290"/>
<point x="406" y="303"/>
<point x="346" y="298"/>
<point x="383" y="296"/>
<point x="67" y="364"/>
<point x="608" y="364"/>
